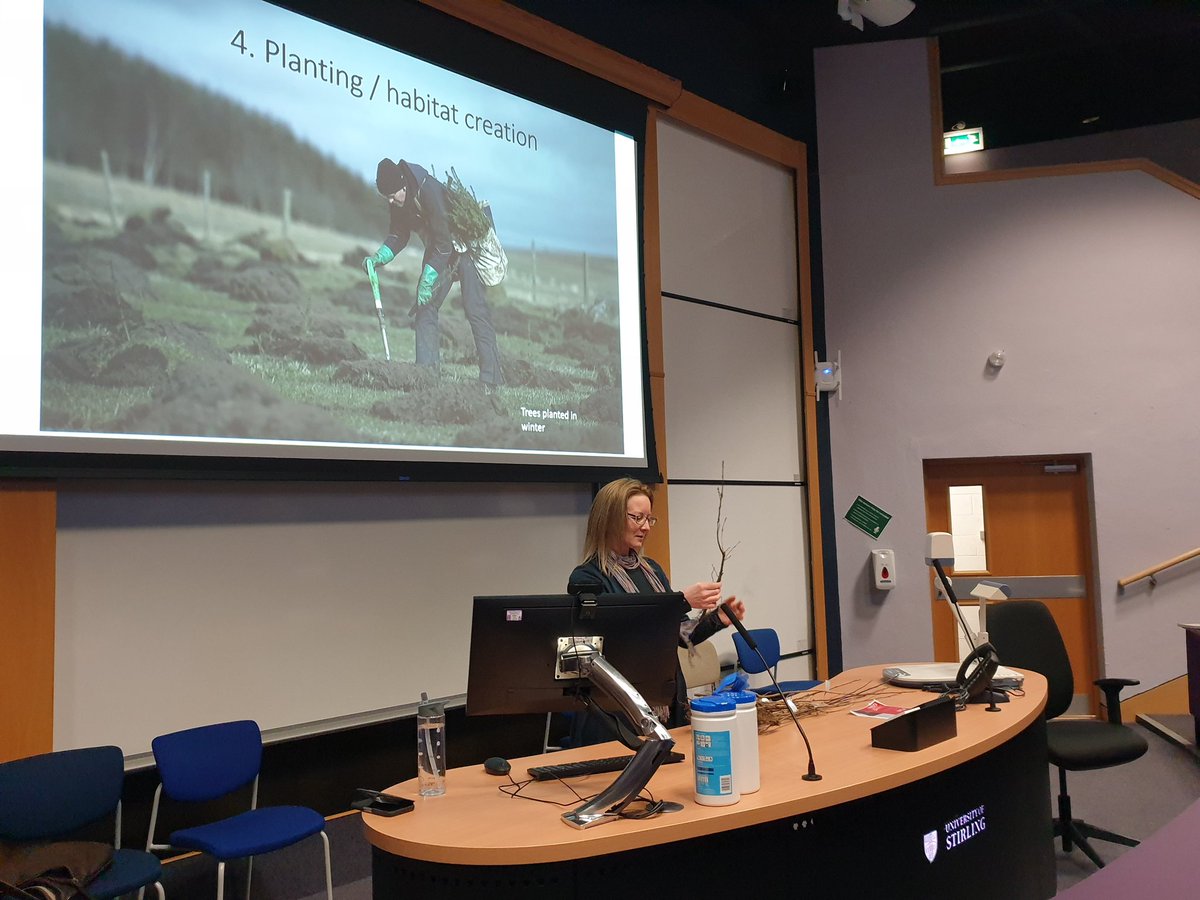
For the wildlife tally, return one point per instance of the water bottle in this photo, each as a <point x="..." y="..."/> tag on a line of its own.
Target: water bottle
<point x="431" y="748"/>
<point x="745" y="761"/>
<point x="713" y="750"/>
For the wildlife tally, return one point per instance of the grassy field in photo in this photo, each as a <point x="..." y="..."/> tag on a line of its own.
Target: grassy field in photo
<point x="164" y="314"/>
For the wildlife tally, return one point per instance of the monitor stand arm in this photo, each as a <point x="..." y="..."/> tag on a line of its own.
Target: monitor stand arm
<point x="656" y="744"/>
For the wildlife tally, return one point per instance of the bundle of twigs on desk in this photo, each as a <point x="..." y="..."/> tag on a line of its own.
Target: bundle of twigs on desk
<point x="773" y="711"/>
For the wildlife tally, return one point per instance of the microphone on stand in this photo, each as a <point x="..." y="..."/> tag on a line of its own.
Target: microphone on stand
<point x="791" y="708"/>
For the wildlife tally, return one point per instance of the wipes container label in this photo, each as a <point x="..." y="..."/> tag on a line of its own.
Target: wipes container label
<point x="713" y="763"/>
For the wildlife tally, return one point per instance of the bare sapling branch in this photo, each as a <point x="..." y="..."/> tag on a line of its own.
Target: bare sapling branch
<point x="725" y="552"/>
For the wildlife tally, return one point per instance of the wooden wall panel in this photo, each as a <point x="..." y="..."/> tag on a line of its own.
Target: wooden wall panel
<point x="27" y="543"/>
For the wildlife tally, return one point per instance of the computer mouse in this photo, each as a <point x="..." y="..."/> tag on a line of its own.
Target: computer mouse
<point x="496" y="765"/>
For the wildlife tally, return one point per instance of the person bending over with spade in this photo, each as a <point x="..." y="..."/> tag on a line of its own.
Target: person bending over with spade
<point x="418" y="203"/>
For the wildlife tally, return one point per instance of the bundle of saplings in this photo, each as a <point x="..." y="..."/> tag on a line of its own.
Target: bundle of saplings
<point x="469" y="220"/>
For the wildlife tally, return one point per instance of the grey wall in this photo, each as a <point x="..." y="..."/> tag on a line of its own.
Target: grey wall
<point x="1091" y="284"/>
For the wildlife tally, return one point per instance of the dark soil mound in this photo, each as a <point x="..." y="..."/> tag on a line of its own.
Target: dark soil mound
<point x="138" y="365"/>
<point x="254" y="283"/>
<point x="86" y="289"/>
<point x="519" y="321"/>
<point x="190" y="341"/>
<point x="589" y="354"/>
<point x="224" y="401"/>
<point x="287" y="318"/>
<point x="273" y="250"/>
<point x="157" y="228"/>
<point x="522" y="372"/>
<point x="79" y="360"/>
<point x="317" y="350"/>
<point x="142" y="233"/>
<point x="387" y="376"/>
<point x="288" y="332"/>
<point x="602" y="406"/>
<point x="583" y="325"/>
<point x="446" y="404"/>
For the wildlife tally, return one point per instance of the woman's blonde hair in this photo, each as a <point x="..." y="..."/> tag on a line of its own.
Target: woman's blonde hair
<point x="606" y="521"/>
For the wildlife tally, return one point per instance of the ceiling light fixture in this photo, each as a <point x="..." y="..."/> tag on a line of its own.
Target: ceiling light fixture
<point x="879" y="12"/>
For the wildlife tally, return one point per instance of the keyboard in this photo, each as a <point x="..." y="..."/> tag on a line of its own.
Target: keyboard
<point x="590" y="767"/>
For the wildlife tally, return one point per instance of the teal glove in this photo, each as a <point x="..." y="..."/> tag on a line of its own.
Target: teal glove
<point x="425" y="288"/>
<point x="382" y="257"/>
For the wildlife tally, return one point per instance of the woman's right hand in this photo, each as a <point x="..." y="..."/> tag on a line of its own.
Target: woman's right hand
<point x="703" y="595"/>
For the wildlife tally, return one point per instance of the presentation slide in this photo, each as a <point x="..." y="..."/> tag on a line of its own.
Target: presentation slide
<point x="248" y="234"/>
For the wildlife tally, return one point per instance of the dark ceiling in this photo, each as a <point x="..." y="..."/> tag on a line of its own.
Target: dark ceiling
<point x="1025" y="70"/>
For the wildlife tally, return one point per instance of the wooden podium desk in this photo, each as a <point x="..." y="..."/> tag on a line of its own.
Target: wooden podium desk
<point x="970" y="814"/>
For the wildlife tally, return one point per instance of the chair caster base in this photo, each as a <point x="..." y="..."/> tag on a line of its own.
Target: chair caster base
<point x="1075" y="833"/>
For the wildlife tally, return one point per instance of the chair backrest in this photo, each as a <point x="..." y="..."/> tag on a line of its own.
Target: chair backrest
<point x="700" y="665"/>
<point x="768" y="644"/>
<point x="1026" y="636"/>
<point x="53" y="794"/>
<point x="210" y="761"/>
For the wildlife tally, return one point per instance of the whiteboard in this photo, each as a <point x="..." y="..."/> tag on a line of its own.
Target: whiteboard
<point x="727" y="223"/>
<point x="768" y="568"/>
<point x="732" y="382"/>
<point x="294" y="605"/>
<point x="732" y="394"/>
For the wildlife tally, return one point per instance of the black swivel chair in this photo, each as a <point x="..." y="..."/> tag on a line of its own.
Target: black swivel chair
<point x="1026" y="637"/>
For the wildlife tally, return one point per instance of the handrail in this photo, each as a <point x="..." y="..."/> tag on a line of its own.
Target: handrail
<point x="1153" y="570"/>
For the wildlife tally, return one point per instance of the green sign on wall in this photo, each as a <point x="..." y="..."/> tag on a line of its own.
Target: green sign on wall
<point x="867" y="517"/>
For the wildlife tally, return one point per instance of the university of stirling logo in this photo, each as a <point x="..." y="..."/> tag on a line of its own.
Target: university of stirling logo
<point x="931" y="845"/>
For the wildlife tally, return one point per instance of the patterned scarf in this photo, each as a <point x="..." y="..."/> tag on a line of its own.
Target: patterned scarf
<point x="623" y="565"/>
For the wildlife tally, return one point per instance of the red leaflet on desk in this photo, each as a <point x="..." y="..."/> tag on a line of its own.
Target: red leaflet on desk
<point x="877" y="710"/>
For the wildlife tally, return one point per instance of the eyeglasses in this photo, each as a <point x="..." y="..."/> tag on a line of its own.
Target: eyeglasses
<point x="640" y="519"/>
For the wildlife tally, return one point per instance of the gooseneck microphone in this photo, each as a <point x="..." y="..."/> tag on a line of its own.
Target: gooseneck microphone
<point x="753" y="644"/>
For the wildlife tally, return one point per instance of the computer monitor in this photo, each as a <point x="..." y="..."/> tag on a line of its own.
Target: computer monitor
<point x="517" y="641"/>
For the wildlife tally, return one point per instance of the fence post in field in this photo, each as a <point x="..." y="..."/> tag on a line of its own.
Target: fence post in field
<point x="533" y="271"/>
<point x="585" y="279"/>
<point x="287" y="211"/>
<point x="206" y="181"/>
<point x="109" y="190"/>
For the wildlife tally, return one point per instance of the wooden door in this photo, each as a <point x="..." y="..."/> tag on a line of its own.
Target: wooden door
<point x="1036" y="538"/>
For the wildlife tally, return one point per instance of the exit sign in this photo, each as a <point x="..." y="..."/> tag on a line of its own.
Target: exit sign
<point x="965" y="140"/>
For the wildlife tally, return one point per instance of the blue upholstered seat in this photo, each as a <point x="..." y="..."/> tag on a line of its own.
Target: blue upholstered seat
<point x="251" y="833"/>
<point x="52" y="795"/>
<point x="768" y="645"/>
<point x="214" y="760"/>
<point x="131" y="869"/>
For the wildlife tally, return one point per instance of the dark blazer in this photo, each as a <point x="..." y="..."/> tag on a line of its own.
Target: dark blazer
<point x="584" y="732"/>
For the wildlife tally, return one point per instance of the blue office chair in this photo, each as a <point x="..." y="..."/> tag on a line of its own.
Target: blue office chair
<point x="53" y="795"/>
<point x="768" y="644"/>
<point x="214" y="760"/>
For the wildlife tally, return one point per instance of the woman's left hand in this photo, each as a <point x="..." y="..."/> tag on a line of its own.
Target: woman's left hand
<point x="733" y="603"/>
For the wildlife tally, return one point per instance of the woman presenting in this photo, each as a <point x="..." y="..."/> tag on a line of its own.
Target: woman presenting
<point x="620" y="519"/>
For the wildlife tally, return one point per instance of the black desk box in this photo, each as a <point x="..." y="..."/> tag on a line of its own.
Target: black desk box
<point x="926" y="725"/>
